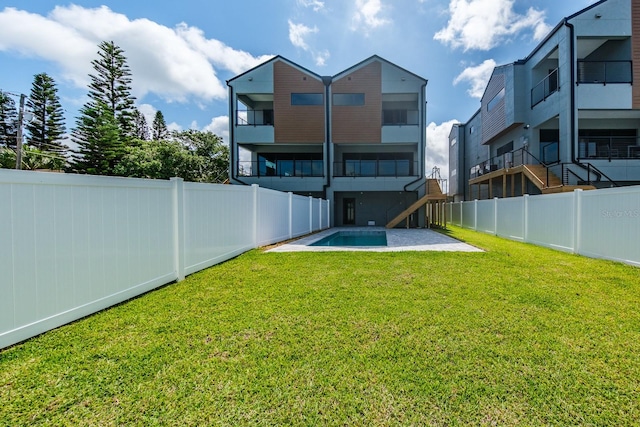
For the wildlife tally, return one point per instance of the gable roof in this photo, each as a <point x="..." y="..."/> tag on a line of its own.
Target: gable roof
<point x="274" y="59"/>
<point x="372" y="59"/>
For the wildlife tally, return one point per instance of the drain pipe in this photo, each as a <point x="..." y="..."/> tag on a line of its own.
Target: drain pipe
<point x="327" y="83"/>
<point x="572" y="59"/>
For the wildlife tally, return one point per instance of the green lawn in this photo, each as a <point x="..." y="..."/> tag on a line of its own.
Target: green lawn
<point x="517" y="335"/>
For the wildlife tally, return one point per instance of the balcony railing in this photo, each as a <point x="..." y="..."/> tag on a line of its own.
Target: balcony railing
<point x="281" y="168"/>
<point x="604" y="72"/>
<point x="547" y="86"/>
<point x="609" y="147"/>
<point x="400" y="117"/>
<point x="566" y="171"/>
<point x="375" y="168"/>
<point x="507" y="160"/>
<point x="254" y="118"/>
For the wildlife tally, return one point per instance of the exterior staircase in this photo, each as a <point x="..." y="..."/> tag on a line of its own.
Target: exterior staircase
<point x="434" y="193"/>
<point x="548" y="182"/>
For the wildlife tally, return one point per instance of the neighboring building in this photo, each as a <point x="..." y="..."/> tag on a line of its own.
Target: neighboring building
<point x="357" y="138"/>
<point x="566" y="116"/>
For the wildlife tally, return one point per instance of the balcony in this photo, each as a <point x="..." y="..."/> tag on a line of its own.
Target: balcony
<point x="375" y="168"/>
<point x="254" y="127"/>
<point x="400" y="117"/>
<point x="604" y="72"/>
<point x="281" y="168"/>
<point x="609" y="147"/>
<point x="545" y="88"/>
<point x="254" y="118"/>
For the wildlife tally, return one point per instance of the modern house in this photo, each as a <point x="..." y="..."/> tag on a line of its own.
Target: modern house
<point x="567" y="116"/>
<point x="356" y="138"/>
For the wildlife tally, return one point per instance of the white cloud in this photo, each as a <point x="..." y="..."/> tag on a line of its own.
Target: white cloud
<point x="477" y="77"/>
<point x="438" y="147"/>
<point x="174" y="127"/>
<point x="483" y="24"/>
<point x="317" y="5"/>
<point x="149" y="113"/>
<point x="298" y="34"/>
<point x="177" y="64"/>
<point x="220" y="126"/>
<point x="367" y="15"/>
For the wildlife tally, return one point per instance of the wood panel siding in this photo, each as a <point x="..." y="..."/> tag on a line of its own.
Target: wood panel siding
<point x="359" y="124"/>
<point x="299" y="124"/>
<point x="494" y="121"/>
<point x="635" y="46"/>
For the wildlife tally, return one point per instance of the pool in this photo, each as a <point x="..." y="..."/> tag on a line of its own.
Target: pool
<point x="354" y="238"/>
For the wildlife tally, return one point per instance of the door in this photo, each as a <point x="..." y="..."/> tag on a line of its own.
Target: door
<point x="349" y="211"/>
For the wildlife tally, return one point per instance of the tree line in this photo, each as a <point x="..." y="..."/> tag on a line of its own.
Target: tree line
<point x="112" y="135"/>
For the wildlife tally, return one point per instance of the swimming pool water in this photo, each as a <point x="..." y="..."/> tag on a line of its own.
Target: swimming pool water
<point x="354" y="238"/>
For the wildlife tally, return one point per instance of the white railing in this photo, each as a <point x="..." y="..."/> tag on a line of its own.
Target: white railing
<point x="598" y="223"/>
<point x="71" y="245"/>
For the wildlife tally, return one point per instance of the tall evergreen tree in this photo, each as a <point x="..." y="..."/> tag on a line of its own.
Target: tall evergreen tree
<point x="46" y="131"/>
<point x="159" y="130"/>
<point x="105" y="126"/>
<point x="8" y="121"/>
<point x="140" y="127"/>
<point x="100" y="145"/>
<point x="112" y="85"/>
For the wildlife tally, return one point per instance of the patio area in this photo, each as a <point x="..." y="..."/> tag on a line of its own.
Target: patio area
<point x="398" y="240"/>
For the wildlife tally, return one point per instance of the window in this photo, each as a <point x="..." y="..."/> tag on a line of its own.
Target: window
<point x="495" y="100"/>
<point x="306" y="99"/>
<point x="348" y="99"/>
<point x="506" y="148"/>
<point x="472" y="129"/>
<point x="454" y="172"/>
<point x="394" y="117"/>
<point x="454" y="141"/>
<point x="287" y="164"/>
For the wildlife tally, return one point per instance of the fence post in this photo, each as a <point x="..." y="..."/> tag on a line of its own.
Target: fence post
<point x="256" y="189"/>
<point x="310" y="214"/>
<point x="290" y="215"/>
<point x="525" y="219"/>
<point x="328" y="213"/>
<point x="577" y="220"/>
<point x="495" y="216"/>
<point x="178" y="227"/>
<point x="475" y="215"/>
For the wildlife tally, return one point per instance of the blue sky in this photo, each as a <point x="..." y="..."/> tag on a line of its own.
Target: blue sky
<point x="182" y="53"/>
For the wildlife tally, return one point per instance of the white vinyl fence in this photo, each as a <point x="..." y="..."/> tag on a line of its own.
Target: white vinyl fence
<point x="597" y="223"/>
<point x="71" y="245"/>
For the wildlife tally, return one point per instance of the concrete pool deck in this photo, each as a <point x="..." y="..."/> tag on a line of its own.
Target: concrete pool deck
<point x="398" y="240"/>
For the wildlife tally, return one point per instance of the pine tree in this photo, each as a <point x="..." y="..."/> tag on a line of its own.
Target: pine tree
<point x="111" y="85"/>
<point x="105" y="126"/>
<point x="159" y="130"/>
<point x="46" y="131"/>
<point x="8" y="121"/>
<point x="140" y="128"/>
<point x="99" y="143"/>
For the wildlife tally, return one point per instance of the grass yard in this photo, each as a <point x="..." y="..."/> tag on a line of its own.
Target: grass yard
<point x="518" y="335"/>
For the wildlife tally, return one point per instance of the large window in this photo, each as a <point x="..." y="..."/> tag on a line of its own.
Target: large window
<point x="495" y="100"/>
<point x="306" y="99"/>
<point x="348" y="99"/>
<point x="286" y="164"/>
<point x="375" y="164"/>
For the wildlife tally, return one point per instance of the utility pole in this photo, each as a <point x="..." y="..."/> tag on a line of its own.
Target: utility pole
<point x="19" y="133"/>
